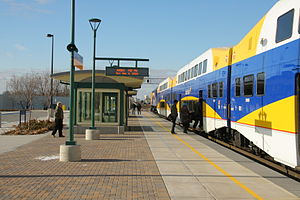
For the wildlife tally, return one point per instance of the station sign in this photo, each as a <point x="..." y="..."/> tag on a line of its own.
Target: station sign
<point x="127" y="71"/>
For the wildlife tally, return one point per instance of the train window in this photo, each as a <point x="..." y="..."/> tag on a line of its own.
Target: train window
<point x="238" y="87"/>
<point x="285" y="26"/>
<point x="200" y="68"/>
<point x="204" y="66"/>
<point x="185" y="76"/>
<point x="209" y="91"/>
<point x="196" y="70"/>
<point x="260" y="83"/>
<point x="173" y="97"/>
<point x="189" y="74"/>
<point x="192" y="72"/>
<point x="248" y="85"/>
<point x="221" y="86"/>
<point x="215" y="90"/>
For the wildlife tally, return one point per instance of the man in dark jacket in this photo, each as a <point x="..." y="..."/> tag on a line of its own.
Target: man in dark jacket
<point x="174" y="115"/>
<point x="185" y="117"/>
<point x="59" y="116"/>
<point x="198" y="114"/>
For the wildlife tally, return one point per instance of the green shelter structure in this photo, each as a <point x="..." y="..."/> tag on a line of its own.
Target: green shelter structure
<point x="111" y="99"/>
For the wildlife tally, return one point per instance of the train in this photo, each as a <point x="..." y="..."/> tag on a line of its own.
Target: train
<point x="250" y="91"/>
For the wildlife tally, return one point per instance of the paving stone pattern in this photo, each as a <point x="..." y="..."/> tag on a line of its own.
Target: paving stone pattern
<point x="114" y="167"/>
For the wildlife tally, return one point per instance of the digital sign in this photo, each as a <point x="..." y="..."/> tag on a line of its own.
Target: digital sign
<point x="127" y="71"/>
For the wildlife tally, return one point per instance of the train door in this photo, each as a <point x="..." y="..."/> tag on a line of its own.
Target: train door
<point x="201" y="109"/>
<point x="179" y="106"/>
<point x="297" y="107"/>
<point x="215" y="99"/>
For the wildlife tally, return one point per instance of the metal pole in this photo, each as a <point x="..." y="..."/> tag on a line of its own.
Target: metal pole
<point x="51" y="90"/>
<point x="70" y="138"/>
<point x="93" y="84"/>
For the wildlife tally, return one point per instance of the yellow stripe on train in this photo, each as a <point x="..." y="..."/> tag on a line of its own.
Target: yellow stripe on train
<point x="210" y="112"/>
<point x="279" y="115"/>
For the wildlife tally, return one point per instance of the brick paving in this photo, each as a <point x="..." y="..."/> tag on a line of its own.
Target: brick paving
<point x="114" y="167"/>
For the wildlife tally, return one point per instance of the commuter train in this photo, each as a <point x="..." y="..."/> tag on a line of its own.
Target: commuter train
<point x="250" y="91"/>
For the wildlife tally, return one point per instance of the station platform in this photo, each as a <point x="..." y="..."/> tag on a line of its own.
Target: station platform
<point x="147" y="162"/>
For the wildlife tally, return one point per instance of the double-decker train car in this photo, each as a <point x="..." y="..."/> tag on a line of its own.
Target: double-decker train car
<point x="250" y="91"/>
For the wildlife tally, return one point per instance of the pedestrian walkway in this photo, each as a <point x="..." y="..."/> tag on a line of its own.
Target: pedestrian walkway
<point x="114" y="167"/>
<point x="147" y="162"/>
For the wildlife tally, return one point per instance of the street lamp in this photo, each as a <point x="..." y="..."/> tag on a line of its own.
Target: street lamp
<point x="51" y="84"/>
<point x="94" y="22"/>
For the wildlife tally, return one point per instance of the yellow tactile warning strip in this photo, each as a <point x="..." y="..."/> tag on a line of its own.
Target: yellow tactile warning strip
<point x="251" y="192"/>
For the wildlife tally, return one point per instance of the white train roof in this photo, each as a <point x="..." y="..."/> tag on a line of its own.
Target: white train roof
<point x="269" y="28"/>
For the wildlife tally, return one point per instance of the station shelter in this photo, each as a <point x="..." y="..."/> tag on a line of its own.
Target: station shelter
<point x="111" y="99"/>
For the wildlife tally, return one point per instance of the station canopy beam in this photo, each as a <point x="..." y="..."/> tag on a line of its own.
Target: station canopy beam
<point x="136" y="60"/>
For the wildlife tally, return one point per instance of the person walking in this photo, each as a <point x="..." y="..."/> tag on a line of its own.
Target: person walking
<point x="198" y="114"/>
<point x="139" y="108"/>
<point x="59" y="116"/>
<point x="185" y="117"/>
<point x="133" y="108"/>
<point x="174" y="115"/>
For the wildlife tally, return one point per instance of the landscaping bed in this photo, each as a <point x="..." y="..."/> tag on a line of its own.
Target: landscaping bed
<point x="32" y="127"/>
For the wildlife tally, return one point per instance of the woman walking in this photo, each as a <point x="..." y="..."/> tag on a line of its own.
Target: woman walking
<point x="59" y="116"/>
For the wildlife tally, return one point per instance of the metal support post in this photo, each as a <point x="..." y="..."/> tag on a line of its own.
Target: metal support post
<point x="93" y="84"/>
<point x="70" y="138"/>
<point x="51" y="90"/>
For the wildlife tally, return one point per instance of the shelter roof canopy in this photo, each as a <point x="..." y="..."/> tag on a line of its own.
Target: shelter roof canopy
<point x="85" y="76"/>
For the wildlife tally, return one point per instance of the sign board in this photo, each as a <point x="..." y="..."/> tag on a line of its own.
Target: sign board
<point x="78" y="60"/>
<point x="127" y="71"/>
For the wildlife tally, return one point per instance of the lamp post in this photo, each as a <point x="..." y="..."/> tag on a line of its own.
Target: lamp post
<point x="94" y="22"/>
<point x="51" y="83"/>
<point x="70" y="151"/>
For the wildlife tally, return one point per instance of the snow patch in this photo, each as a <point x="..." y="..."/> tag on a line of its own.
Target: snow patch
<point x="46" y="158"/>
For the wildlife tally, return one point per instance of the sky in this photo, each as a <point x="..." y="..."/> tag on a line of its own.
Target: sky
<point x="170" y="33"/>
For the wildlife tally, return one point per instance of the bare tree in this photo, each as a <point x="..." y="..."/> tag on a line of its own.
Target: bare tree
<point x="23" y="88"/>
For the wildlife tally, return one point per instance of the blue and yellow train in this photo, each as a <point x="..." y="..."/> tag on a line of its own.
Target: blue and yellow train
<point x="251" y="90"/>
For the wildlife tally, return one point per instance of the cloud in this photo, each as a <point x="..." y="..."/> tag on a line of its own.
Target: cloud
<point x="8" y="55"/>
<point x="16" y="6"/>
<point x="20" y="47"/>
<point x="43" y="1"/>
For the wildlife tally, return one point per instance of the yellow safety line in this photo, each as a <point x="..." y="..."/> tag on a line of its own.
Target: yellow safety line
<point x="213" y="164"/>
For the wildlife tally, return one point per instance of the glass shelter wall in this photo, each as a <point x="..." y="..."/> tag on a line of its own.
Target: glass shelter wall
<point x="106" y="106"/>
